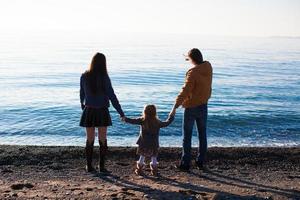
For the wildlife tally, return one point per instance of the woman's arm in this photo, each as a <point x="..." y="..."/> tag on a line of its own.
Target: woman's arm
<point x="81" y="92"/>
<point x="112" y="96"/>
<point x="137" y="121"/>
<point x="167" y="122"/>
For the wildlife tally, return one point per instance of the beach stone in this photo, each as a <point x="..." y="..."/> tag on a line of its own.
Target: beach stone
<point x="28" y="185"/>
<point x="20" y="186"/>
<point x="89" y="189"/>
<point x="17" y="186"/>
<point x="14" y="195"/>
<point x="124" y="189"/>
<point x="73" y="189"/>
<point x="114" y="194"/>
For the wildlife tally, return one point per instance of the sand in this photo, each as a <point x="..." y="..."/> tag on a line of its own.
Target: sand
<point x="232" y="173"/>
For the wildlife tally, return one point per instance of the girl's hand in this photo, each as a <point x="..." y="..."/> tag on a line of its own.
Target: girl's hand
<point x="173" y="112"/>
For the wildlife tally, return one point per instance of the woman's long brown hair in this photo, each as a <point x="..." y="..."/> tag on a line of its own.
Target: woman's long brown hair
<point x="96" y="73"/>
<point x="150" y="116"/>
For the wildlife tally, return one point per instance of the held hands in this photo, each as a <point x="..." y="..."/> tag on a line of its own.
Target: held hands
<point x="122" y="118"/>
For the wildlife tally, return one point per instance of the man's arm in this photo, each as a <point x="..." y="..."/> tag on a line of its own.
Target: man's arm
<point x="186" y="90"/>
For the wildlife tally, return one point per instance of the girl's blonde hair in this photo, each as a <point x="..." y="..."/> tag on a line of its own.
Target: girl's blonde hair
<point x="150" y="117"/>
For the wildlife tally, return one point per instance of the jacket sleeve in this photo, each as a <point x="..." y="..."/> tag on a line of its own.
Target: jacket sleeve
<point x="167" y="122"/>
<point x="81" y="92"/>
<point x="137" y="121"/>
<point x="186" y="89"/>
<point x="112" y="96"/>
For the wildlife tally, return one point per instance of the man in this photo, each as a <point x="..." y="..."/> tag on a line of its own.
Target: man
<point x="193" y="98"/>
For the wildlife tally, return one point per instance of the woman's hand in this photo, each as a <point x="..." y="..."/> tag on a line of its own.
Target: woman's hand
<point x="122" y="118"/>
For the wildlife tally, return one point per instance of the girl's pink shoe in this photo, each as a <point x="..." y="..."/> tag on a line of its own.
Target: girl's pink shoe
<point x="139" y="169"/>
<point x="154" y="169"/>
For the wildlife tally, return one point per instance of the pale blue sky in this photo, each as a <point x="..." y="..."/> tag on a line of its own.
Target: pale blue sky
<point x="211" y="17"/>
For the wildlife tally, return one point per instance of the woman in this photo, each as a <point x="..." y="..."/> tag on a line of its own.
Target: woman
<point x="95" y="92"/>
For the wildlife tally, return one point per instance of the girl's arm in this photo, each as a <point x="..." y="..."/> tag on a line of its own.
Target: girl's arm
<point x="137" y="121"/>
<point x="167" y="122"/>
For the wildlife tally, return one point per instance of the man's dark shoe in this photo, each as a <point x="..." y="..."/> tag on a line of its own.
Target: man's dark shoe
<point x="182" y="168"/>
<point x="104" y="171"/>
<point x="200" y="166"/>
<point x="90" y="169"/>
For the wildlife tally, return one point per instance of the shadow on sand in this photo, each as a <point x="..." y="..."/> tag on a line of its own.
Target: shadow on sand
<point x="237" y="182"/>
<point x="184" y="190"/>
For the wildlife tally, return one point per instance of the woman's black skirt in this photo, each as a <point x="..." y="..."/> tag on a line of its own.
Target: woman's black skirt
<point x="95" y="117"/>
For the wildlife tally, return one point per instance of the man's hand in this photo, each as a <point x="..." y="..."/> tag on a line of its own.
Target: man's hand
<point x="82" y="106"/>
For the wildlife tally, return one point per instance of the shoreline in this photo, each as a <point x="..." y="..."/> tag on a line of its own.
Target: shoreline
<point x="51" y="172"/>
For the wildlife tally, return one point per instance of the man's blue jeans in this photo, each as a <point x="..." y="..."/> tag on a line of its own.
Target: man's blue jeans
<point x="191" y="115"/>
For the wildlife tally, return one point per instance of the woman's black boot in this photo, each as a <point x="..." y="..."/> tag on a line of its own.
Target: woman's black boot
<point x="102" y="155"/>
<point x="89" y="156"/>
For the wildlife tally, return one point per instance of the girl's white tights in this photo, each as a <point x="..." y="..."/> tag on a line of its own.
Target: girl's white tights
<point x="153" y="161"/>
<point x="141" y="160"/>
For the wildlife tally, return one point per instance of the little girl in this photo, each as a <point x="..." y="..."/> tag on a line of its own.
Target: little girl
<point x="148" y="140"/>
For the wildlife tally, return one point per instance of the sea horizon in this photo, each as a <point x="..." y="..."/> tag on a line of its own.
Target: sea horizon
<point x="255" y="97"/>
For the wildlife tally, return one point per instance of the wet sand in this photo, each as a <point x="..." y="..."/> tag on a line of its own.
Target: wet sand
<point x="232" y="173"/>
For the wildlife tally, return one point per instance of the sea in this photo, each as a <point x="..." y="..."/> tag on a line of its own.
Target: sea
<point x="255" y="98"/>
